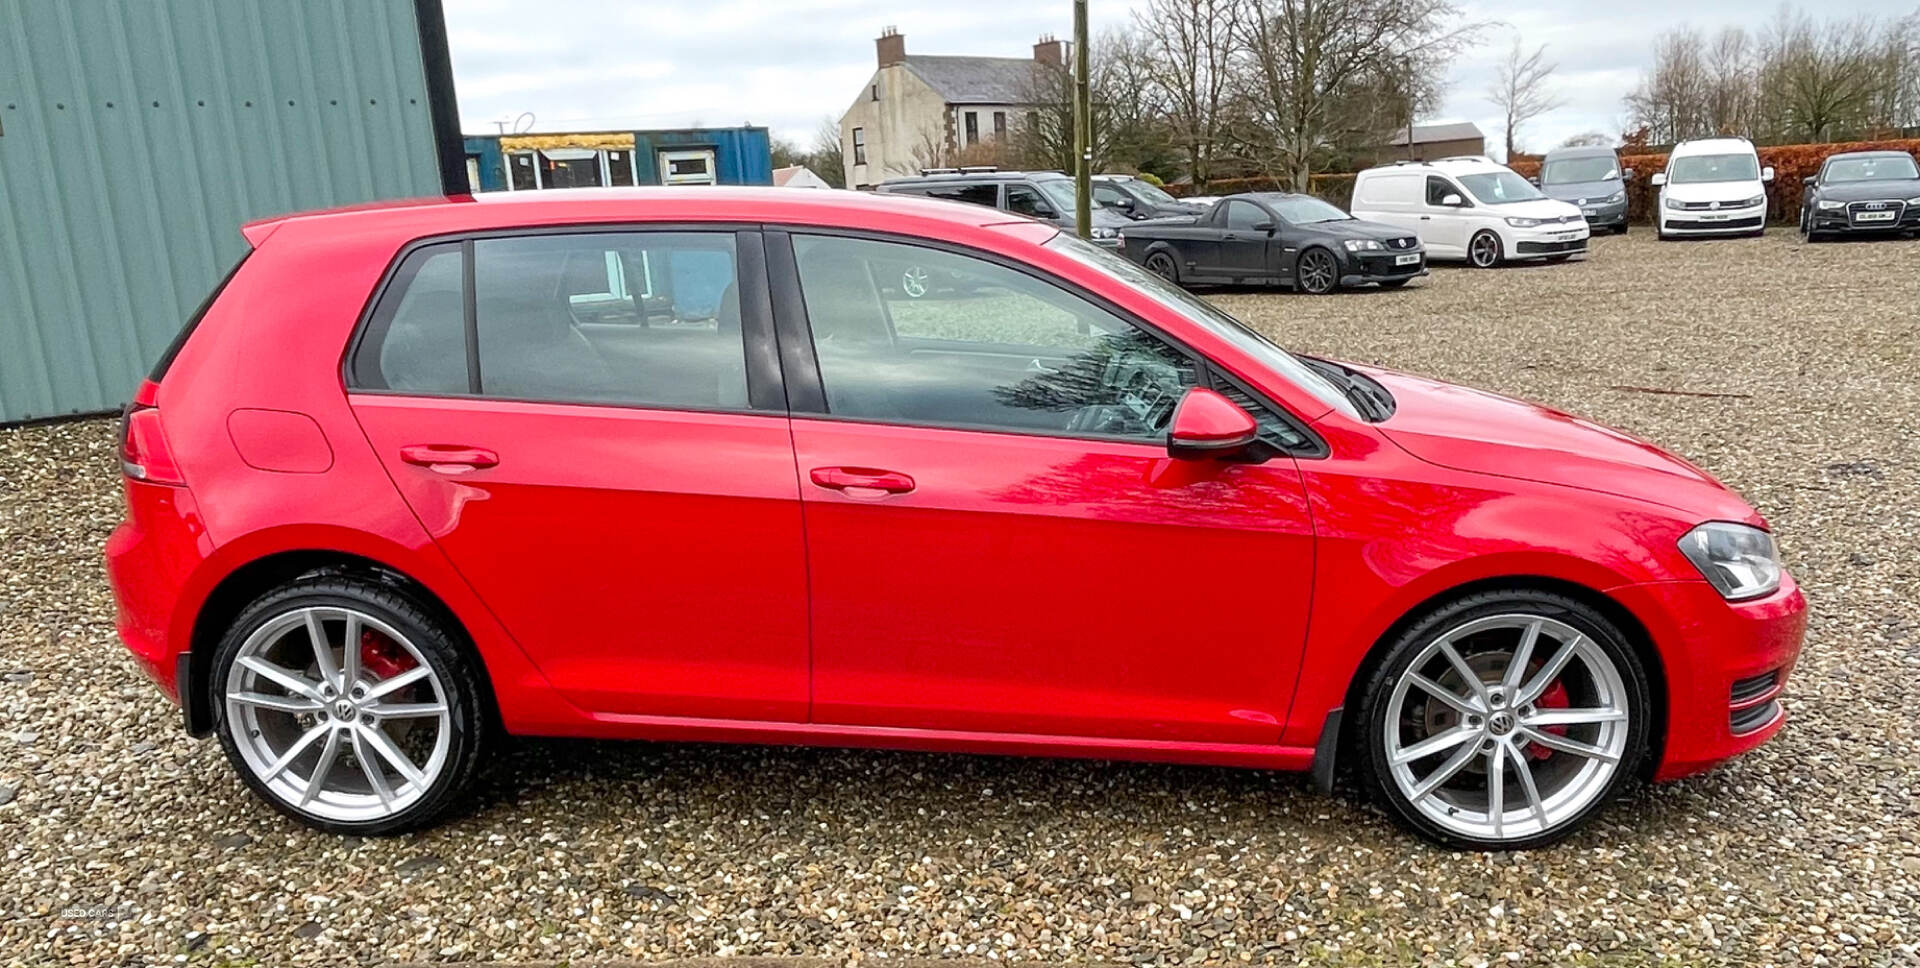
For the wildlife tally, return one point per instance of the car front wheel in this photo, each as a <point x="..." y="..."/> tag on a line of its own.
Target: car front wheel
<point x="1504" y="720"/>
<point x="1484" y="250"/>
<point x="1318" y="273"/>
<point x="347" y="705"/>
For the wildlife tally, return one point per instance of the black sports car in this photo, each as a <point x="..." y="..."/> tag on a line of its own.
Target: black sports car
<point x="1861" y="192"/>
<point x="1275" y="238"/>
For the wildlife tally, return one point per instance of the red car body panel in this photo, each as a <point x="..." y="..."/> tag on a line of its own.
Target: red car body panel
<point x="895" y="586"/>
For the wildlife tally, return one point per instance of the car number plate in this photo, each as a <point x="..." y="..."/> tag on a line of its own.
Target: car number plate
<point x="1874" y="217"/>
<point x="1566" y="237"/>
<point x="1714" y="218"/>
<point x="1406" y="260"/>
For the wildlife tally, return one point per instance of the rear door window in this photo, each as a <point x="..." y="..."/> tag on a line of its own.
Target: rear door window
<point x="987" y="194"/>
<point x="647" y="319"/>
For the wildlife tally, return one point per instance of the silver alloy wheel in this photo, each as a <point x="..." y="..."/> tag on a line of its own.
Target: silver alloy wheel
<point x="913" y="281"/>
<point x="1507" y="727"/>
<point x="1484" y="250"/>
<point x="326" y="734"/>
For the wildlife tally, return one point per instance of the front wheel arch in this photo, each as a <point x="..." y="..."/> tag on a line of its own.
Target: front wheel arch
<point x="1343" y="745"/>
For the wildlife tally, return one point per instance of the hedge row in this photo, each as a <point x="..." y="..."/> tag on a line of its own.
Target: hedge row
<point x="1791" y="164"/>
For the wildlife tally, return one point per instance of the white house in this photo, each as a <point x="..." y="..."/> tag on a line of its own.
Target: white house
<point x="798" y="176"/>
<point x="918" y="110"/>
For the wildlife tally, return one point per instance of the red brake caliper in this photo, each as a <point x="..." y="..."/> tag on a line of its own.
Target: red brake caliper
<point x="381" y="656"/>
<point x="1554" y="698"/>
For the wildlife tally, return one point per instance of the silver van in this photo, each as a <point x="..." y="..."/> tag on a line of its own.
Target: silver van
<point x="1590" y="177"/>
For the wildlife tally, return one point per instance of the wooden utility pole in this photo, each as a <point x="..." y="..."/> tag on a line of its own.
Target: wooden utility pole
<point x="1082" y="126"/>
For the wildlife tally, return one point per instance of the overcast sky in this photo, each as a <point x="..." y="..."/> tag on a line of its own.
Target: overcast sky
<point x="597" y="64"/>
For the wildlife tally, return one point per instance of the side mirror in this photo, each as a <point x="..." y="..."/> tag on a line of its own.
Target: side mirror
<point x="1264" y="225"/>
<point x="1809" y="180"/>
<point x="1123" y="203"/>
<point x="1207" y="425"/>
<point x="1627" y="175"/>
<point x="1453" y="200"/>
<point x="1534" y="180"/>
<point x="1659" y="178"/>
<point x="1766" y="174"/>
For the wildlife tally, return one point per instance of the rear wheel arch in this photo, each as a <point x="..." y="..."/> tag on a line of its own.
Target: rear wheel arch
<point x="1623" y="618"/>
<point x="247" y="583"/>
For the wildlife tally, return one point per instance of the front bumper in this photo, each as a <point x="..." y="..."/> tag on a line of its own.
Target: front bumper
<point x="1858" y="218"/>
<point x="1711" y="222"/>
<point x="1607" y="216"/>
<point x="1360" y="268"/>
<point x="1549" y="240"/>
<point x="1725" y="664"/>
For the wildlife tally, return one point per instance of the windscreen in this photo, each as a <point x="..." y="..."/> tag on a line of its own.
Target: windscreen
<point x="1571" y="171"/>
<point x="1870" y="169"/>
<point x="1500" y="188"/>
<point x="1694" y="169"/>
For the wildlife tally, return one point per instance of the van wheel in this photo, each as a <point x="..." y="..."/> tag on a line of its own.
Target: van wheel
<point x="1484" y="251"/>
<point x="349" y="707"/>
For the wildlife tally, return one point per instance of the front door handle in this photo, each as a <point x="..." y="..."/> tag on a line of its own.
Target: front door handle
<point x="861" y="478"/>
<point x="449" y="458"/>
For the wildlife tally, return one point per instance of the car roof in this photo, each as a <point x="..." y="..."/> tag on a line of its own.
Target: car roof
<point x="496" y="210"/>
<point x="1463" y="165"/>
<point x="1581" y="151"/>
<point x="1711" y="146"/>
<point x="972" y="176"/>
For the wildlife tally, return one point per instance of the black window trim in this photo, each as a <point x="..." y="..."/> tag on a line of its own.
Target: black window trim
<point x="807" y="391"/>
<point x="766" y="396"/>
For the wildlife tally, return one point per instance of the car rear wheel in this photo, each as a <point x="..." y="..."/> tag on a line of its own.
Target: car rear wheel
<point x="1504" y="720"/>
<point x="1162" y="265"/>
<point x="348" y="706"/>
<point x="1317" y="273"/>
<point x="1484" y="250"/>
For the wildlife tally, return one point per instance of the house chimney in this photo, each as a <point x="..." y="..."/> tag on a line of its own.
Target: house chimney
<point x="891" y="46"/>
<point x="1050" y="51"/>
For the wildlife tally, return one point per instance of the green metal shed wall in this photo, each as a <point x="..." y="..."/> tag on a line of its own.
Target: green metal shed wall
<point x="136" y="137"/>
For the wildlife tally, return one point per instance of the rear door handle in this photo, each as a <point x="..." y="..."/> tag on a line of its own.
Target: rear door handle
<point x="448" y="457"/>
<point x="861" y="478"/>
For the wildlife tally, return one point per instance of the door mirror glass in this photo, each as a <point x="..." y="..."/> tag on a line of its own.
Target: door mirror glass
<point x="1453" y="200"/>
<point x="1627" y="175"/>
<point x="1766" y="174"/>
<point x="1207" y="425"/>
<point x="1659" y="178"/>
<point x="1264" y="225"/>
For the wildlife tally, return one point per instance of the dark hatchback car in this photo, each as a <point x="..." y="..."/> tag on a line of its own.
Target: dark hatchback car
<point x="1590" y="177"/>
<point x="1861" y="193"/>
<point x="1276" y="238"/>
<point x="1138" y="198"/>
<point x="1044" y="195"/>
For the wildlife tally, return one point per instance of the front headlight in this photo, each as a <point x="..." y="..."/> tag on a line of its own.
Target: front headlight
<point x="1615" y="198"/>
<point x="1672" y="203"/>
<point x="1102" y="232"/>
<point x="1828" y="205"/>
<point x="1913" y="201"/>
<point x="1755" y="200"/>
<point x="1362" y="245"/>
<point x="1739" y="560"/>
<point x="1523" y="223"/>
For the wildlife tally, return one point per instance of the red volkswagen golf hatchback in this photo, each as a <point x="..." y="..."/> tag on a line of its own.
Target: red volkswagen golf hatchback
<point x="793" y="467"/>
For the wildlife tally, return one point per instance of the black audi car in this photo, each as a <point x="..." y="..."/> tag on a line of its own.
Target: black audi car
<point x="1862" y="192"/>
<point x="1275" y="238"/>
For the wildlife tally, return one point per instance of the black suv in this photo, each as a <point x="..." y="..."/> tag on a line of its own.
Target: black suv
<point x="1139" y="198"/>
<point x="1045" y="195"/>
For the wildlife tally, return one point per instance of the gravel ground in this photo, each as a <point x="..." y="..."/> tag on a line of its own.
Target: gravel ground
<point x="125" y="842"/>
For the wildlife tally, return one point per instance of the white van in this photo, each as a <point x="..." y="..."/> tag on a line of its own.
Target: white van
<point x="1472" y="209"/>
<point x="1714" y="186"/>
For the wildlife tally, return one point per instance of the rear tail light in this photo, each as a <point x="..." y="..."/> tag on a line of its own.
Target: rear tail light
<point x="144" y="454"/>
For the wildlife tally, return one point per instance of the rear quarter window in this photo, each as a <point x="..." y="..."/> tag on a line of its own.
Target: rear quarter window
<point x="415" y="340"/>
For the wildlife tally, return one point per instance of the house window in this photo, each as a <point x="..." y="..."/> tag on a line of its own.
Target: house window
<point x="859" y="146"/>
<point x="973" y="127"/>
<point x="876" y="92"/>
<point x="1000" y="124"/>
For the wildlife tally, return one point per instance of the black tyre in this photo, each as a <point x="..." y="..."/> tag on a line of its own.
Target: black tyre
<point x="1485" y="250"/>
<point x="1317" y="273"/>
<point x="1163" y="265"/>
<point x="1502" y="720"/>
<point x="350" y="706"/>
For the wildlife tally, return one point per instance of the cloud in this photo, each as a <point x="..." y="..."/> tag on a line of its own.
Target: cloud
<point x="585" y="64"/>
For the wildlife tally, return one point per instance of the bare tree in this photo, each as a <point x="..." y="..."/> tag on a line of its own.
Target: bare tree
<point x="828" y="157"/>
<point x="1522" y="90"/>
<point x="1822" y="78"/>
<point x="1191" y="44"/>
<point x="1320" y="75"/>
<point x="1588" y="139"/>
<point x="1667" y="101"/>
